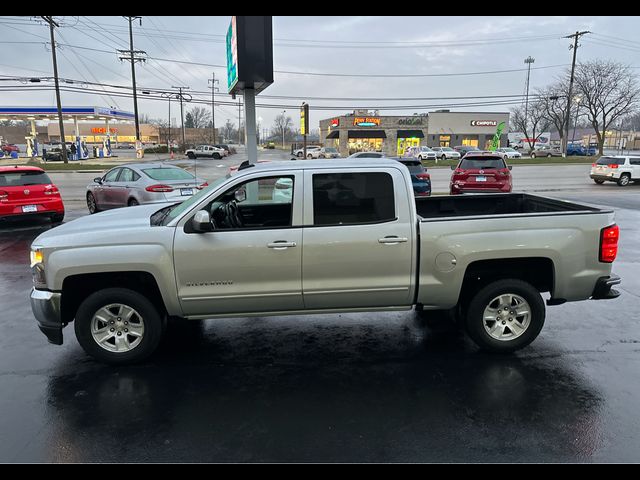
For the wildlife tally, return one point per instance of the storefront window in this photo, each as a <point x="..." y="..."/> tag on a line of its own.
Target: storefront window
<point x="405" y="143"/>
<point x="445" y="140"/>
<point x="472" y="142"/>
<point x="365" y="145"/>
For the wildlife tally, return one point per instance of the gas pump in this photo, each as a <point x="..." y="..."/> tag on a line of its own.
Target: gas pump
<point x="81" y="148"/>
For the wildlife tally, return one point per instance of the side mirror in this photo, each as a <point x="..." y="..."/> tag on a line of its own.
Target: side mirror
<point x="240" y="195"/>
<point x="510" y="167"/>
<point x="453" y="167"/>
<point x="201" y="222"/>
<point x="98" y="179"/>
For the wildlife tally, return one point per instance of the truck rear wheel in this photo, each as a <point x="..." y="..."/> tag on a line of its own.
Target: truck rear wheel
<point x="118" y="326"/>
<point x="505" y="316"/>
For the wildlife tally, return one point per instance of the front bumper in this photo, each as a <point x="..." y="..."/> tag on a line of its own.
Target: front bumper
<point x="46" y="308"/>
<point x="603" y="290"/>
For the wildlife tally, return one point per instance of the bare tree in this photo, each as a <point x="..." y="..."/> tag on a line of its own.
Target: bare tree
<point x="229" y="131"/>
<point x="163" y="128"/>
<point x="144" y="118"/>
<point x="282" y="127"/>
<point x="609" y="91"/>
<point x="553" y="101"/>
<point x="200" y="116"/>
<point x="535" y="123"/>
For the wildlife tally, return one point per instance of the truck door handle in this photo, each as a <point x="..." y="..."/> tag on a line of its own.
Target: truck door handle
<point x="393" y="240"/>
<point x="281" y="244"/>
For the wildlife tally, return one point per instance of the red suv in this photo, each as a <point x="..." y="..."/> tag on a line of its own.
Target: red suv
<point x="27" y="191"/>
<point x="483" y="172"/>
<point x="7" y="148"/>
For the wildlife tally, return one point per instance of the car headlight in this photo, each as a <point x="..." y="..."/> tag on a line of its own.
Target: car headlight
<point x="37" y="268"/>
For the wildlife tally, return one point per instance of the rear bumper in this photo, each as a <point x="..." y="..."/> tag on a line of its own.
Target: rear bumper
<point x="46" y="308"/>
<point x="603" y="289"/>
<point x="604" y="178"/>
<point x="457" y="188"/>
<point x="45" y="207"/>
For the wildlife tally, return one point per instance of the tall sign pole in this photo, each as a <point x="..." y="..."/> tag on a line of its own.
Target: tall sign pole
<point x="249" y="43"/>
<point x="304" y="126"/>
<point x="63" y="143"/>
<point x="213" y="110"/>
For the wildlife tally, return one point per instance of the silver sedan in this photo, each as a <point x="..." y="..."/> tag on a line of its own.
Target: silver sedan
<point x="137" y="183"/>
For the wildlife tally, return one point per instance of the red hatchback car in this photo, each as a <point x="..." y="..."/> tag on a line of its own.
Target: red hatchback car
<point x="482" y="172"/>
<point x="28" y="191"/>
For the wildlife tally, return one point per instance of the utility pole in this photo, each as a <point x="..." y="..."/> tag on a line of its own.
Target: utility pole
<point x="133" y="57"/>
<point x="213" y="111"/>
<point x="575" y="37"/>
<point x="181" y="97"/>
<point x="63" y="143"/>
<point x="529" y="60"/>
<point x="239" y="113"/>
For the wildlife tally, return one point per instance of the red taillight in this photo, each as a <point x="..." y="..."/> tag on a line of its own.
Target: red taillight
<point x="205" y="184"/>
<point x="609" y="243"/>
<point x="4" y="196"/>
<point x="51" y="190"/>
<point x="594" y="164"/>
<point x="613" y="165"/>
<point x="159" y="188"/>
<point x="424" y="176"/>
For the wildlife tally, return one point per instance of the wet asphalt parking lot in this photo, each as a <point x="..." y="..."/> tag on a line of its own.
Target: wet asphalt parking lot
<point x="383" y="387"/>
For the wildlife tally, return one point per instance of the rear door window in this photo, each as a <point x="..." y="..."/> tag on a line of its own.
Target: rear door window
<point x="352" y="198"/>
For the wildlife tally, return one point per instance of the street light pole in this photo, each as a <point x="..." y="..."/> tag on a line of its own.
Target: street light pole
<point x="283" y="117"/>
<point x="181" y="97"/>
<point x="213" y="111"/>
<point x="529" y="60"/>
<point x="575" y="37"/>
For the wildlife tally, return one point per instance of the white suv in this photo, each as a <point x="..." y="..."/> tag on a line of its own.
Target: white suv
<point x="445" y="153"/>
<point x="324" y="152"/>
<point x="300" y="152"/>
<point x="616" y="168"/>
<point x="421" y="153"/>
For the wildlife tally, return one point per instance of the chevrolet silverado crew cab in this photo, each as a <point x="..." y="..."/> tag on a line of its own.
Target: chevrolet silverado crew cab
<point x="349" y="237"/>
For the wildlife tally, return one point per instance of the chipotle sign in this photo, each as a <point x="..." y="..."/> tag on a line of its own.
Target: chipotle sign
<point x="484" y="123"/>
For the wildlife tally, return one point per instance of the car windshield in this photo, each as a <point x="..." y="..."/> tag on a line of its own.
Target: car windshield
<point x="610" y="161"/>
<point x="167" y="214"/>
<point x="21" y="178"/>
<point x="330" y="150"/>
<point x="426" y="149"/>
<point x="447" y="149"/>
<point x="507" y="150"/>
<point x="165" y="173"/>
<point x="482" y="163"/>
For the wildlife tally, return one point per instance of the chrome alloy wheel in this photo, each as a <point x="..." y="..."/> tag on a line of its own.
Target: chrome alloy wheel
<point x="117" y="328"/>
<point x="506" y="317"/>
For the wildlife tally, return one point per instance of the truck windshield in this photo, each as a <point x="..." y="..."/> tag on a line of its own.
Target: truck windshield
<point x="167" y="214"/>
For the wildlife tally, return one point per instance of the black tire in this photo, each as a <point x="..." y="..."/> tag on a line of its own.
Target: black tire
<point x="132" y="202"/>
<point x="599" y="182"/>
<point x="533" y="155"/>
<point x="153" y="325"/>
<point x="299" y="154"/>
<point x="92" y="205"/>
<point x="321" y="156"/>
<point x="474" y="321"/>
<point x="57" y="218"/>
<point x="549" y="155"/>
<point x="191" y="155"/>
<point x="310" y="157"/>
<point x="624" y="180"/>
<point x="443" y="158"/>
<point x="216" y="156"/>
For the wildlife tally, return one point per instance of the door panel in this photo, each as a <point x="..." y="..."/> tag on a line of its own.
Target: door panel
<point x="105" y="195"/>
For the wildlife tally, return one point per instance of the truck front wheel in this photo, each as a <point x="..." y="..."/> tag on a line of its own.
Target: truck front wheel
<point x="118" y="326"/>
<point x="505" y="316"/>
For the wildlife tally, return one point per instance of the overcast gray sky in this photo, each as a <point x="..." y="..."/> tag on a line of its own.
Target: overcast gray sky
<point x="383" y="46"/>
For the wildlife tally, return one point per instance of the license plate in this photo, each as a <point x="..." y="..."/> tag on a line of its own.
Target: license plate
<point x="29" y="208"/>
<point x="481" y="179"/>
<point x="186" y="191"/>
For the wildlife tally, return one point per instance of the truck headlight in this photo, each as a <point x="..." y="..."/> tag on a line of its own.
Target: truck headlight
<point x="37" y="269"/>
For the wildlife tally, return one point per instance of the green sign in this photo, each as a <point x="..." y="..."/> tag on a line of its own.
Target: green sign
<point x="232" y="55"/>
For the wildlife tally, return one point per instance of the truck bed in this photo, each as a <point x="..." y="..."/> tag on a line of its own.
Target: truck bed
<point x="438" y="207"/>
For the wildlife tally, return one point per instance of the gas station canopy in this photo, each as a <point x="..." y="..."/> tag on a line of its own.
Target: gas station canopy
<point x="72" y="113"/>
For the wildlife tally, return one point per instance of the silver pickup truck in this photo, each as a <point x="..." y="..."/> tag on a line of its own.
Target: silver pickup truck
<point x="319" y="237"/>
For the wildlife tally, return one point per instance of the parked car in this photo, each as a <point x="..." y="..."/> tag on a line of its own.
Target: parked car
<point x="270" y="145"/>
<point x="508" y="152"/>
<point x="7" y="148"/>
<point x="55" y="153"/>
<point x="420" y="179"/>
<point x="421" y="153"/>
<point x="367" y="155"/>
<point x="206" y="151"/>
<point x="617" y="168"/>
<point x="546" y="151"/>
<point x="464" y="149"/>
<point x="353" y="239"/>
<point x="28" y="191"/>
<point x="323" y="152"/>
<point x="225" y="147"/>
<point x="141" y="183"/>
<point x="300" y="152"/>
<point x="482" y="172"/>
<point x="578" y="149"/>
<point x="445" y="153"/>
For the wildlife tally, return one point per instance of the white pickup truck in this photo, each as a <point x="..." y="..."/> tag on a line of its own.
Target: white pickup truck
<point x="349" y="237"/>
<point x="206" y="151"/>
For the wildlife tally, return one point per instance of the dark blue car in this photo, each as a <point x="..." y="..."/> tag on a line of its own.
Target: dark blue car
<point x="420" y="179"/>
<point x="579" y="149"/>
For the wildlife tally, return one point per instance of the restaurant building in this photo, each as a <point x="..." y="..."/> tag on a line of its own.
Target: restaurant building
<point x="364" y="130"/>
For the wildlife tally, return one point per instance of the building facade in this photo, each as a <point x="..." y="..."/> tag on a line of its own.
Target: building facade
<point x="392" y="135"/>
